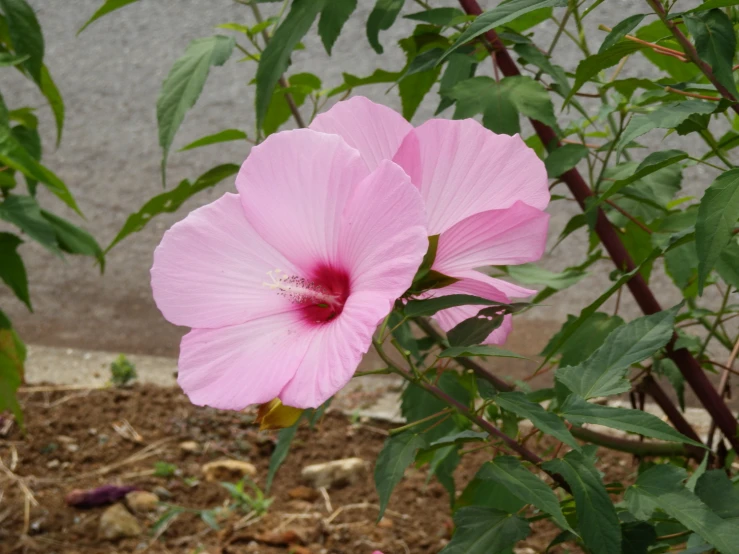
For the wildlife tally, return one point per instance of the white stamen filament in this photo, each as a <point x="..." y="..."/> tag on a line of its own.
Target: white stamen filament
<point x="299" y="289"/>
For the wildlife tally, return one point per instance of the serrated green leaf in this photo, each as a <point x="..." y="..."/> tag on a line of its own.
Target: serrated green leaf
<point x="334" y="15"/>
<point x="478" y="350"/>
<point x="603" y="373"/>
<point x="226" y="135"/>
<point x="25" y="34"/>
<point x="727" y="265"/>
<point x="75" y="240"/>
<point x="586" y="340"/>
<point x="717" y="216"/>
<point x="710" y="4"/>
<point x="185" y="82"/>
<point x="107" y="7"/>
<point x="637" y="537"/>
<point x="719" y="493"/>
<point x="500" y="15"/>
<point x="592" y="65"/>
<point x="396" y="455"/>
<point x="578" y="411"/>
<point x="381" y="18"/>
<point x="482" y="530"/>
<point x="564" y="158"/>
<point x="667" y="116"/>
<point x="620" y="30"/>
<point x="352" y="81"/>
<point x="459" y="67"/>
<point x="510" y="473"/>
<point x="24" y="213"/>
<point x="171" y="200"/>
<point x="428" y="307"/>
<point x="661" y="486"/>
<point x="12" y="270"/>
<point x="548" y="422"/>
<point x="715" y="42"/>
<point x="597" y="521"/>
<point x="459" y="438"/>
<point x="475" y="330"/>
<point x="437" y="16"/>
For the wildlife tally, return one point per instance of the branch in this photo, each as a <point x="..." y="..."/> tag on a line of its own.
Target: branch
<point x="643" y="295"/>
<point x="692" y="53"/>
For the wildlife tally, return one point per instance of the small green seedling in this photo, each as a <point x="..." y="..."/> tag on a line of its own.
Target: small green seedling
<point x="257" y="503"/>
<point x="122" y="372"/>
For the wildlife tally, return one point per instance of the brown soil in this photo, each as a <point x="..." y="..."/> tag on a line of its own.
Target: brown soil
<point x="71" y="444"/>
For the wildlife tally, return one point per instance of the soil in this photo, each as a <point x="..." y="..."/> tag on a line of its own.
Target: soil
<point x="71" y="444"/>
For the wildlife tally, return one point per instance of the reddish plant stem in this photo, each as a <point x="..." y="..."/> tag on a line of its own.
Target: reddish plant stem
<point x="688" y="366"/>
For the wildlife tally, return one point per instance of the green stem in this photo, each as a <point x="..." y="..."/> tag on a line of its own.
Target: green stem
<point x="716" y="322"/>
<point x="413" y="424"/>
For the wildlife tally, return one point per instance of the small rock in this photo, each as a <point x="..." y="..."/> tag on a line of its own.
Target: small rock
<point x="335" y="474"/>
<point x="161" y="492"/>
<point x="190" y="447"/>
<point x="304" y="493"/>
<point x="141" y="502"/>
<point x="280" y="538"/>
<point x="385" y="523"/>
<point x="228" y="470"/>
<point x="118" y="523"/>
<point x="524" y="550"/>
<point x="53" y="463"/>
<point x="72" y="447"/>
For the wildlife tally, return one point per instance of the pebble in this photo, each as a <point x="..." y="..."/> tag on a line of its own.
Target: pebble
<point x="118" y="523"/>
<point x="338" y="473"/>
<point x="385" y="523"/>
<point x="190" y="447"/>
<point x="72" y="447"/>
<point x="53" y="463"/>
<point x="228" y="470"/>
<point x="280" y="538"/>
<point x="141" y="502"/>
<point x="304" y="493"/>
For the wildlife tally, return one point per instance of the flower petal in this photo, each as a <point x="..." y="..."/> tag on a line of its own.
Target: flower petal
<point x="509" y="289"/>
<point x="210" y="268"/>
<point x="462" y="169"/>
<point x="373" y="129"/>
<point x="450" y="318"/>
<point x="512" y="236"/>
<point x="233" y="367"/>
<point x="294" y="187"/>
<point x="384" y="236"/>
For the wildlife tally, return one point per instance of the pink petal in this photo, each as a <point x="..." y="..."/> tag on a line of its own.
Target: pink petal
<point x="210" y="268"/>
<point x="294" y="187"/>
<point x="509" y="289"/>
<point x="233" y="367"/>
<point x="373" y="129"/>
<point x="450" y="318"/>
<point x="511" y="236"/>
<point x="462" y="169"/>
<point x="384" y="236"/>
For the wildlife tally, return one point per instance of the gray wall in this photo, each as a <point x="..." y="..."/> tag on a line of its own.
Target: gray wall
<point x="109" y="156"/>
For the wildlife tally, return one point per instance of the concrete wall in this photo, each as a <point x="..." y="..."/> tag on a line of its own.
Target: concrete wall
<point x="109" y="156"/>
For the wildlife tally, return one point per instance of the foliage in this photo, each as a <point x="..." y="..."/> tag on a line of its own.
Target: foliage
<point x="21" y="172"/>
<point x="635" y="211"/>
<point x="122" y="372"/>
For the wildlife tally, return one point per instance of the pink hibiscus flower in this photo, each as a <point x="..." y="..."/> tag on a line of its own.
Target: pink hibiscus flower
<point x="284" y="283"/>
<point x="484" y="195"/>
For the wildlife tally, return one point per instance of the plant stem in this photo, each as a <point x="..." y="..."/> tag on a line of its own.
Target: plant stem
<point x="411" y="425"/>
<point x="719" y="315"/>
<point x="689" y="367"/>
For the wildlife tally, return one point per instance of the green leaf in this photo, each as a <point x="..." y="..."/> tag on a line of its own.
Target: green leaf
<point x="460" y="437"/>
<point x="667" y="116"/>
<point x="620" y="30"/>
<point x="715" y="42"/>
<point x="710" y="4"/>
<point x="475" y="330"/>
<point x="531" y="274"/>
<point x="564" y="158"/>
<point x="279" y="111"/>
<point x="437" y="16"/>
<point x="396" y="455"/>
<point x="727" y="265"/>
<point x="578" y="411"/>
<point x="107" y="7"/>
<point x="428" y="307"/>
<point x="637" y="537"/>
<point x="381" y="18"/>
<point x="653" y="162"/>
<point x="482" y="530"/>
<point x="479" y="350"/>
<point x="533" y="55"/>
<point x="661" y="486"/>
<point x="226" y="135"/>
<point x="334" y="15"/>
<point x="510" y="473"/>
<point x="25" y="34"/>
<point x="721" y="495"/>
<point x="74" y="240"/>
<point x="592" y="65"/>
<point x="10" y="59"/>
<point x="184" y="83"/>
<point x="12" y="359"/>
<point x="500" y="15"/>
<point x="276" y="55"/>
<point x="352" y="81"/>
<point x="597" y="521"/>
<point x="12" y="270"/>
<point x="24" y="212"/>
<point x="460" y="67"/>
<point x="603" y="373"/>
<point x="54" y="98"/>
<point x="171" y="200"/>
<point x="586" y="340"/>
<point x="551" y="424"/>
<point x="717" y="216"/>
<point x="284" y="440"/>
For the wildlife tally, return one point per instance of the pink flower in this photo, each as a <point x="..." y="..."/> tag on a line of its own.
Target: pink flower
<point x="484" y="195"/>
<point x="285" y="282"/>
